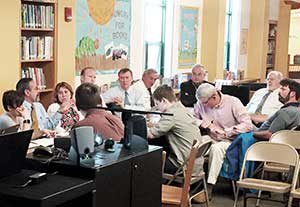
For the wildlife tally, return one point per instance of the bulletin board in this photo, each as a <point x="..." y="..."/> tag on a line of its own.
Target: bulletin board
<point x="103" y="34"/>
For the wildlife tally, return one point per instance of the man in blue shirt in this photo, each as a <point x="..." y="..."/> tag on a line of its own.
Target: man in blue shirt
<point x="39" y="119"/>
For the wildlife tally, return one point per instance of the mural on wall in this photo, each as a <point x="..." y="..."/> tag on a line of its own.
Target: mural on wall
<point x="103" y="34"/>
<point x="187" y="54"/>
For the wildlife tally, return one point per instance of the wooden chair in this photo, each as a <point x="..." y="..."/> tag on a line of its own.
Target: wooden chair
<point x="268" y="152"/>
<point x="178" y="177"/>
<point x="179" y="196"/>
<point x="164" y="155"/>
<point x="284" y="137"/>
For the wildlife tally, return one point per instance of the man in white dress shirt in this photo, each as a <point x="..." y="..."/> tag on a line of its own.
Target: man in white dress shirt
<point x="37" y="115"/>
<point x="264" y="101"/>
<point x="125" y="95"/>
<point x="145" y="85"/>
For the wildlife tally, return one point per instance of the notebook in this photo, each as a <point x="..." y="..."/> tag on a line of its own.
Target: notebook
<point x="13" y="149"/>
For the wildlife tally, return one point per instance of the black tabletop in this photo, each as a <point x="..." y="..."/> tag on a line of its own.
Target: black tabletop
<point x="56" y="189"/>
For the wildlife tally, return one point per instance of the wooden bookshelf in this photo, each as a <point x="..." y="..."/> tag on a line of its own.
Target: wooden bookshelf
<point x="271" y="46"/>
<point x="38" y="51"/>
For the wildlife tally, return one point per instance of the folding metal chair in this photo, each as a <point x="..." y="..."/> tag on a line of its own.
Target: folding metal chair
<point x="268" y="152"/>
<point x="285" y="137"/>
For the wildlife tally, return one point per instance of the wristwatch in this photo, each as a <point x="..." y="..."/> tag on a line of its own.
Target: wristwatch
<point x="26" y="121"/>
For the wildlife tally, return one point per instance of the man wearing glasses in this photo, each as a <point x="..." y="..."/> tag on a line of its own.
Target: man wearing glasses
<point x="264" y="102"/>
<point x="224" y="117"/>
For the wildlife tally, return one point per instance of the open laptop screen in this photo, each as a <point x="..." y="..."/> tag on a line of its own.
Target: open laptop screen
<point x="13" y="149"/>
<point x="11" y="129"/>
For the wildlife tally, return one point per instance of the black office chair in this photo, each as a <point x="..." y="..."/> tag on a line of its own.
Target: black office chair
<point x="254" y="86"/>
<point x="139" y="126"/>
<point x="241" y="92"/>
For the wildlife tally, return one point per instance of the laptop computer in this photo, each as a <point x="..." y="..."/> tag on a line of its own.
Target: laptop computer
<point x="13" y="150"/>
<point x="11" y="129"/>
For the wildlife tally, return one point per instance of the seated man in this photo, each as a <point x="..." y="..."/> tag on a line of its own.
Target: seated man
<point x="224" y="117"/>
<point x="104" y="123"/>
<point x="188" y="88"/>
<point x="180" y="129"/>
<point x="88" y="75"/>
<point x="125" y="95"/>
<point x="39" y="119"/>
<point x="264" y="101"/>
<point x="288" y="116"/>
<point x="145" y="86"/>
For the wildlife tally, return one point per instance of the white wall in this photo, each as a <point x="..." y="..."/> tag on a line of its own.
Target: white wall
<point x="294" y="39"/>
<point x="274" y="10"/>
<point x="245" y="22"/>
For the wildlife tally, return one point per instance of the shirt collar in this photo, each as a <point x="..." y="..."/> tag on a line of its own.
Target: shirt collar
<point x="94" y="111"/>
<point x="295" y="104"/>
<point x="221" y="101"/>
<point x="122" y="90"/>
<point x="27" y="104"/>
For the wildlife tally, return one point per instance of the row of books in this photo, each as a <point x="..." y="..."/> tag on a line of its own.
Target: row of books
<point x="271" y="46"/>
<point x="36" y="47"/>
<point x="37" y="16"/>
<point x="270" y="60"/>
<point x="37" y="74"/>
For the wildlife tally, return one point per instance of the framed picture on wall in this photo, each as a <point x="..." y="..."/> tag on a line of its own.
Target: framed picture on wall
<point x="188" y="32"/>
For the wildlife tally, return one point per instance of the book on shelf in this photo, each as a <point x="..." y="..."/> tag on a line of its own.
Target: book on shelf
<point x="37" y="74"/>
<point x="36" y="47"/>
<point x="270" y="60"/>
<point x="271" y="46"/>
<point x="37" y="16"/>
<point x="272" y="31"/>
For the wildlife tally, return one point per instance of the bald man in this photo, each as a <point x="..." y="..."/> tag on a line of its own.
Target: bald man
<point x="188" y="88"/>
<point x="88" y="75"/>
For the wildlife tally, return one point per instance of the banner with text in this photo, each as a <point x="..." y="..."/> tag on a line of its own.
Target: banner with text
<point x="103" y="34"/>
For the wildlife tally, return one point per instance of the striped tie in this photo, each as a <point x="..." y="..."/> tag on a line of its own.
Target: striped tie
<point x="126" y="99"/>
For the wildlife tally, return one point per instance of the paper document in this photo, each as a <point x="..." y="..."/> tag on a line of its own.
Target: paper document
<point x="43" y="142"/>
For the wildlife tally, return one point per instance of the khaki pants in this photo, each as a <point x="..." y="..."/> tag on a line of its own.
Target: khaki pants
<point x="216" y="154"/>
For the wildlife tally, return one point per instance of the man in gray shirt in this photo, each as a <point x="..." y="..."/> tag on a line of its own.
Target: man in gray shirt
<point x="181" y="129"/>
<point x="288" y="116"/>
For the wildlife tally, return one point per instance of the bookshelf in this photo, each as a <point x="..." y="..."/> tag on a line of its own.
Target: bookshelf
<point x="38" y="56"/>
<point x="271" y="46"/>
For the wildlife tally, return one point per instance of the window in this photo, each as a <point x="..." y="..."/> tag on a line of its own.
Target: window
<point x="154" y="34"/>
